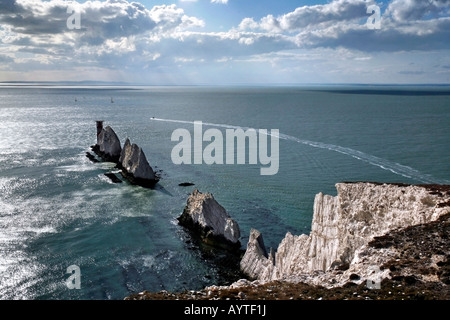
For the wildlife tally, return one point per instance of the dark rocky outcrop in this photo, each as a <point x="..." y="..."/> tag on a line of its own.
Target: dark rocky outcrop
<point x="186" y="184"/>
<point x="113" y="177"/>
<point x="91" y="157"/>
<point x="207" y="218"/>
<point x="108" y="145"/>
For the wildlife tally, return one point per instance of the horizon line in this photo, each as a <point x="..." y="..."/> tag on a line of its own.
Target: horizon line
<point x="130" y="84"/>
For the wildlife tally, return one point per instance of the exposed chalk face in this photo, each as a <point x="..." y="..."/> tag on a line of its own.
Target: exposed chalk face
<point x="133" y="160"/>
<point x="256" y="262"/>
<point x="343" y="225"/>
<point x="203" y="212"/>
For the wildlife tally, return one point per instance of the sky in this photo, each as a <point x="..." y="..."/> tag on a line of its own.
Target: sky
<point x="223" y="42"/>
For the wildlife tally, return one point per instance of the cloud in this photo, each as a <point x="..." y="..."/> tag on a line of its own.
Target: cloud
<point x="109" y="29"/>
<point x="120" y="27"/>
<point x="409" y="72"/>
<point x="211" y="46"/>
<point x="99" y="20"/>
<point x="405" y="25"/>
<point x="125" y="36"/>
<point x="121" y="33"/>
<point x="311" y="16"/>
<point x="408" y="10"/>
<point x="5" y="59"/>
<point x="420" y="35"/>
<point x="212" y="1"/>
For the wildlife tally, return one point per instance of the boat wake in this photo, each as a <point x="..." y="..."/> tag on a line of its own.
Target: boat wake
<point x="384" y="164"/>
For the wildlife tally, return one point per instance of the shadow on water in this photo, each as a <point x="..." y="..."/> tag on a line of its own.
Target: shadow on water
<point x="160" y="188"/>
<point x="223" y="264"/>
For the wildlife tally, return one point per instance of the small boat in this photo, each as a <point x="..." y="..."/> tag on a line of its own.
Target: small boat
<point x="112" y="101"/>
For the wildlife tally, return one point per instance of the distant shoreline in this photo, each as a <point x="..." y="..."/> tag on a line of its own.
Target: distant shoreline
<point x="359" y="89"/>
<point x="300" y="85"/>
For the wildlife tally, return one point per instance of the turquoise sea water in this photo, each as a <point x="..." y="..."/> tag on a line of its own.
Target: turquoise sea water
<point x="57" y="208"/>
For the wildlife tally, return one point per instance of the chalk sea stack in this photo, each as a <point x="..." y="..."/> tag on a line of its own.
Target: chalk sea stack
<point x="135" y="166"/>
<point x="108" y="144"/>
<point x="208" y="219"/>
<point x="130" y="159"/>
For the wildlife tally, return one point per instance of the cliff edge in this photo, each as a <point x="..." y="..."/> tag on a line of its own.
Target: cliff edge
<point x="371" y="241"/>
<point x="342" y="228"/>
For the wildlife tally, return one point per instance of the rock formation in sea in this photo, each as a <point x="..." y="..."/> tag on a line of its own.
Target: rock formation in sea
<point x="130" y="159"/>
<point x="135" y="165"/>
<point x="207" y="218"/>
<point x="186" y="184"/>
<point x="338" y="246"/>
<point x="108" y="144"/>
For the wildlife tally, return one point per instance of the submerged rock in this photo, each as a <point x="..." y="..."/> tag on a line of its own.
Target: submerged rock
<point x="135" y="166"/>
<point x="91" y="157"/>
<point x="206" y="217"/>
<point x="113" y="177"/>
<point x="186" y="184"/>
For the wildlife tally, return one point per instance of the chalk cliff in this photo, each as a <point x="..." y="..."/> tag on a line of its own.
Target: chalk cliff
<point x="210" y="220"/>
<point x="389" y="237"/>
<point x="135" y="165"/>
<point x="341" y="230"/>
<point x="256" y="262"/>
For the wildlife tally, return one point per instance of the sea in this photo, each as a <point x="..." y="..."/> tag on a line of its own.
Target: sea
<point x="59" y="210"/>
